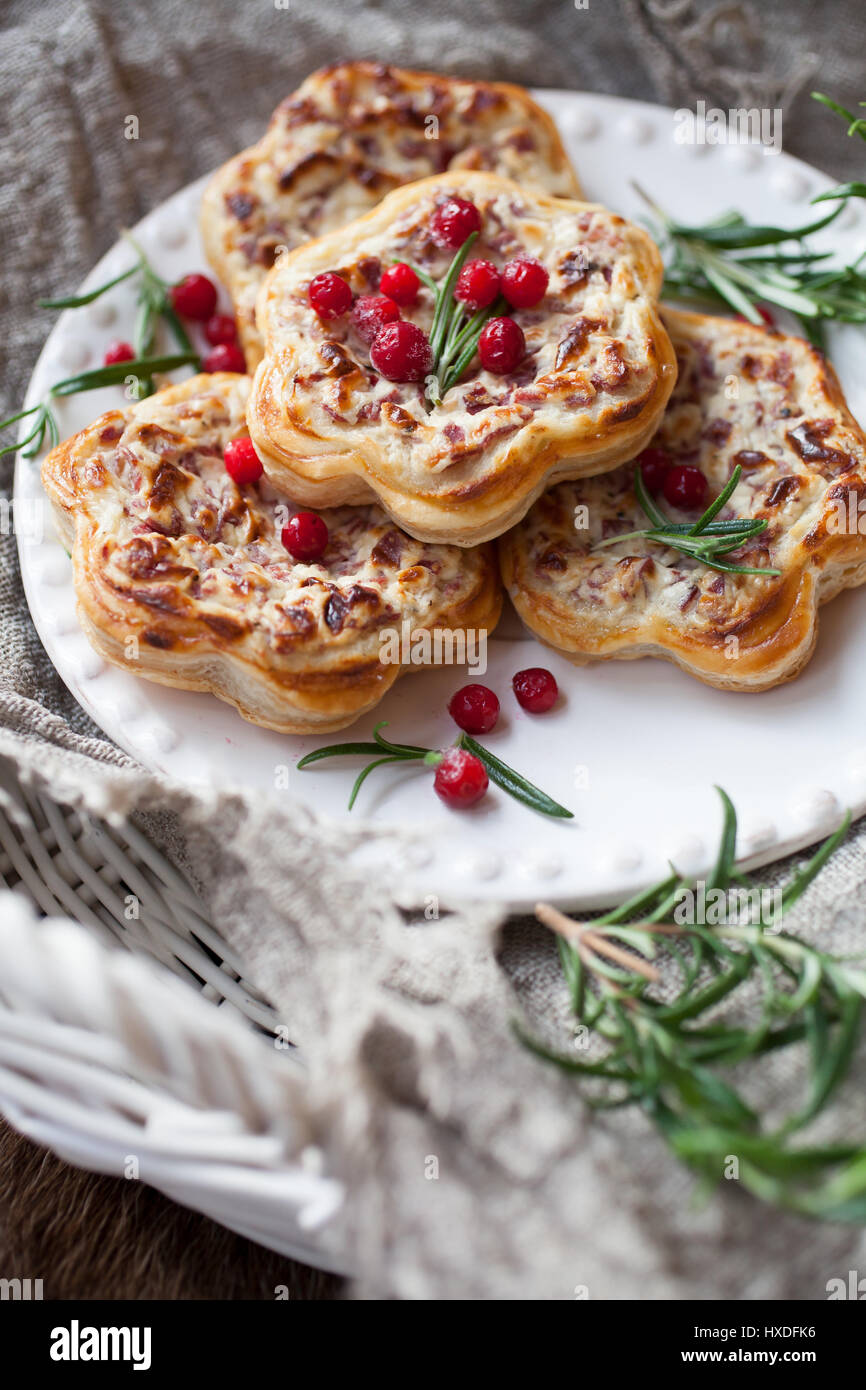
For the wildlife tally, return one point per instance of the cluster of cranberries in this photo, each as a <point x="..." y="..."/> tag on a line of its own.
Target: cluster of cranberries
<point x="399" y="350"/>
<point x="461" y="778"/>
<point x="195" y="298"/>
<point x="683" y="486"/>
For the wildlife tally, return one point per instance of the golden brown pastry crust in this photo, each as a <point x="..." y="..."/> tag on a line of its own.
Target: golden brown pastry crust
<point x="350" y="134"/>
<point x="180" y="576"/>
<point x="598" y="371"/>
<point x="746" y="396"/>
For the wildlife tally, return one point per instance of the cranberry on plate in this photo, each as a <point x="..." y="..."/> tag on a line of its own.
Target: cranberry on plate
<point x="371" y="313"/>
<point x="225" y="357"/>
<point x="536" y="689"/>
<point x="685" y="487"/>
<point x="194" y="297"/>
<point x="654" y="465"/>
<point x="460" y="778"/>
<point x="477" y="285"/>
<point x="400" y="283"/>
<point x="305" y="537"/>
<point x="474" y="708"/>
<point x="220" y="328"/>
<point x="524" y="282"/>
<point x="501" y="346"/>
<point x="118" y="352"/>
<point x="401" y="352"/>
<point x="329" y="294"/>
<point x="242" y="462"/>
<point x="453" y="220"/>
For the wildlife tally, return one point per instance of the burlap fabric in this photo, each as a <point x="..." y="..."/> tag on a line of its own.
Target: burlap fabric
<point x="411" y="1058"/>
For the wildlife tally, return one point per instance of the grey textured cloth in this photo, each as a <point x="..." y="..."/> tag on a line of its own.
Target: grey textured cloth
<point x="406" y="1030"/>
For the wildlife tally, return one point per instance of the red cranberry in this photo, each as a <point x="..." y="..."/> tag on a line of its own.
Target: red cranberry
<point x="536" y="689"/>
<point x="501" y="345"/>
<point x="118" y="352"/>
<point x="329" y="295"/>
<point x="474" y="708"/>
<point x="401" y="352"/>
<point x="220" y="328"/>
<point x="305" y="537"/>
<point x="453" y="220"/>
<point x="371" y="313"/>
<point x="524" y="282"/>
<point x="460" y="778"/>
<point x="242" y="462"/>
<point x="685" y="487"/>
<point x="401" y="283"/>
<point x="226" y="357"/>
<point x="654" y="465"/>
<point x="477" y="284"/>
<point x="194" y="297"/>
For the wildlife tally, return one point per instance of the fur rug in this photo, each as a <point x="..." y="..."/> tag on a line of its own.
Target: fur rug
<point x="88" y="1236"/>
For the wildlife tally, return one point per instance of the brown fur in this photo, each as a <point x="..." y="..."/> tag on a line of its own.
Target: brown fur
<point x="91" y="1237"/>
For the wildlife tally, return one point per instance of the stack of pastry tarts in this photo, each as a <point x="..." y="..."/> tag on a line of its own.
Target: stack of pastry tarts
<point x="455" y="366"/>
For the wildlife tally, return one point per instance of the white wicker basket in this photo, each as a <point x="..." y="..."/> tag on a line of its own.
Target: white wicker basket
<point x="119" y="1068"/>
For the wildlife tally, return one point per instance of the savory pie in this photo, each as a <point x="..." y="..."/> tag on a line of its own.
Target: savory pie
<point x="745" y="397"/>
<point x="350" y="134"/>
<point x="181" y="575"/>
<point x="588" y="392"/>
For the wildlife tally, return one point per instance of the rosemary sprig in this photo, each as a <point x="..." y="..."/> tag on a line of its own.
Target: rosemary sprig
<point x="384" y="751"/>
<point x="153" y="304"/>
<point x="707" y="263"/>
<point x="453" y="336"/>
<point x="140" y="368"/>
<point x="669" y="1053"/>
<point x="705" y="540"/>
<point x="856" y="126"/>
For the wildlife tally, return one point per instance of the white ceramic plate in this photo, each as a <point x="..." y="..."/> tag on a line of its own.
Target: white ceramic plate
<point x="634" y="748"/>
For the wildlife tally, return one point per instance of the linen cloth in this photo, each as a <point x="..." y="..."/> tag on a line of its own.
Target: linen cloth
<point x="473" y="1171"/>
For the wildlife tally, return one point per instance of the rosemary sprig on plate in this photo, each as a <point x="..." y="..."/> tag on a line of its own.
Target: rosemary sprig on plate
<point x="384" y="751"/>
<point x="669" y="1052"/>
<point x="723" y="261"/>
<point x="706" y="539"/>
<point x="153" y="305"/>
<point x="139" y="368"/>
<point x="454" y="332"/>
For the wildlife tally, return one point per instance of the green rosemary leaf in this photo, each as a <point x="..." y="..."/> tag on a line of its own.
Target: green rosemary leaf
<point x="729" y="291"/>
<point x="21" y="414"/>
<point x="338" y="750"/>
<point x="445" y="299"/>
<point x="181" y="336"/>
<point x="35" y="438"/>
<point x="856" y="124"/>
<point x="404" y="748"/>
<point x="804" y="876"/>
<point x="655" y="514"/>
<point x="117" y="372"/>
<point x="742" y="235"/>
<point x="53" y="431"/>
<point x="78" y="301"/>
<point x="720" y="876"/>
<point x="365" y="773"/>
<point x="715" y="507"/>
<point x="512" y="782"/>
<point x="570" y="1064"/>
<point x="841" y="191"/>
<point x="834" y="1064"/>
